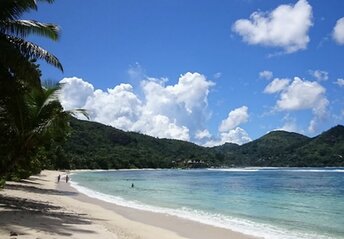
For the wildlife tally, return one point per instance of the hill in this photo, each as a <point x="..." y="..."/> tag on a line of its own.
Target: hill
<point x="327" y="149"/>
<point x="93" y="145"/>
<point x="276" y="148"/>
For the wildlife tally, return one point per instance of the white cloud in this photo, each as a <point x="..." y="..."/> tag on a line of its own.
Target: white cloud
<point x="303" y="95"/>
<point x="186" y="101"/>
<point x="234" y="119"/>
<point x="202" y="134"/>
<point x="338" y="31"/>
<point x="176" y="111"/>
<point x="74" y="92"/>
<point x="161" y="126"/>
<point x="229" y="132"/>
<point x="172" y="111"/>
<point x="119" y="107"/>
<point x="236" y="136"/>
<point x="319" y="75"/>
<point x="286" y="27"/>
<point x="276" y="85"/>
<point x="340" y="82"/>
<point x="266" y="75"/>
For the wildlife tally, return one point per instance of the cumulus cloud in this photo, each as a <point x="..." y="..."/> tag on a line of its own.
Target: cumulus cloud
<point x="229" y="130"/>
<point x="176" y="111"/>
<point x="119" y="107"/>
<point x="161" y="126"/>
<point x="319" y="75"/>
<point x="202" y="134"/>
<point x="304" y="95"/>
<point x="266" y="75"/>
<point x="165" y="111"/>
<point x="74" y="92"/>
<point x="276" y="85"/>
<point x="234" y="119"/>
<point x="340" y="82"/>
<point x="186" y="101"/>
<point x="285" y="27"/>
<point x="338" y="31"/>
<point x="236" y="136"/>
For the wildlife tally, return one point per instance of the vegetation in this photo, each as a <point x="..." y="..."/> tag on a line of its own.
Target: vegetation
<point x="32" y="121"/>
<point x="96" y="146"/>
<point x="93" y="145"/>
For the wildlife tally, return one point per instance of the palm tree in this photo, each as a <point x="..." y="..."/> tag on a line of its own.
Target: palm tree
<point x="17" y="54"/>
<point x="30" y="116"/>
<point x="32" y="121"/>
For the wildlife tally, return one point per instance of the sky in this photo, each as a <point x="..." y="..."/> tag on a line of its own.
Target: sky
<point x="207" y="71"/>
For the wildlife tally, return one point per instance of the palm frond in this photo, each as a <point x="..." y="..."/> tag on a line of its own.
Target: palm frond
<point x="33" y="51"/>
<point x="12" y="9"/>
<point x="76" y="112"/>
<point x="23" y="28"/>
<point x="12" y="61"/>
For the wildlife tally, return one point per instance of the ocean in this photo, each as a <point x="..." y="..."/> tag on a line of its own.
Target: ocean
<point x="283" y="203"/>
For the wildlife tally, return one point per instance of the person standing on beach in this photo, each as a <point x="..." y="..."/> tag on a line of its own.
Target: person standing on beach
<point x="58" y="178"/>
<point x="67" y="178"/>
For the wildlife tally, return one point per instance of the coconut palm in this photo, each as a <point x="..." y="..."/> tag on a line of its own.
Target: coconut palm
<point x="30" y="116"/>
<point x="17" y="54"/>
<point x="32" y="121"/>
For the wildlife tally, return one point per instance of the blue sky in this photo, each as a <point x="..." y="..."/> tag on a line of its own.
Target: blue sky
<point x="205" y="71"/>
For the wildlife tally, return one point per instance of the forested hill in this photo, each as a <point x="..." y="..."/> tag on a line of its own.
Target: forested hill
<point x="93" y="145"/>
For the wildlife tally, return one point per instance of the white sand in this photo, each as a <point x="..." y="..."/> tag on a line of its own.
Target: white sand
<point x="41" y="208"/>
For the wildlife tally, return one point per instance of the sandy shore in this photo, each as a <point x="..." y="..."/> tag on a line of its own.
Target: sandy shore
<point x="41" y="208"/>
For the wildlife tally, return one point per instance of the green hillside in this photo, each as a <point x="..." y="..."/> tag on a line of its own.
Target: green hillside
<point x="276" y="148"/>
<point x="326" y="149"/>
<point x="93" y="145"/>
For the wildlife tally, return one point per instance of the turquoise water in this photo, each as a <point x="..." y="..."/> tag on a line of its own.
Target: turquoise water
<point x="266" y="202"/>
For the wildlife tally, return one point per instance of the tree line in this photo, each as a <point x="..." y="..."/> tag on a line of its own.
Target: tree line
<point x="92" y="145"/>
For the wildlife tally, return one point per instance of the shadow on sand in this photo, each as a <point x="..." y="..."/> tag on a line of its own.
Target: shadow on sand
<point x="39" y="215"/>
<point x="29" y="188"/>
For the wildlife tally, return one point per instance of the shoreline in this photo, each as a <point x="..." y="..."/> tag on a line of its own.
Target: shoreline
<point x="60" y="210"/>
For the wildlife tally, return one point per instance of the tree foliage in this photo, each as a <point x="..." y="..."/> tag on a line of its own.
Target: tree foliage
<point x="32" y="121"/>
<point x="96" y="146"/>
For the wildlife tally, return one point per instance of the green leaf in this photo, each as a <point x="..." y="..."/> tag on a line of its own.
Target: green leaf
<point x="24" y="28"/>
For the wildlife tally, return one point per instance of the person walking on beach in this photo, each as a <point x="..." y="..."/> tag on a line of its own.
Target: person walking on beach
<point x="132" y="185"/>
<point x="67" y="178"/>
<point x="58" y="178"/>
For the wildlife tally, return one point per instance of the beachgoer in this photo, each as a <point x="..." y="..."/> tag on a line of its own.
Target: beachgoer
<point x="67" y="178"/>
<point x="132" y="185"/>
<point x="58" y="178"/>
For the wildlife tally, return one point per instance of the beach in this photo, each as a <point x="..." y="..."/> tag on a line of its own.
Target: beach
<point x="39" y="207"/>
